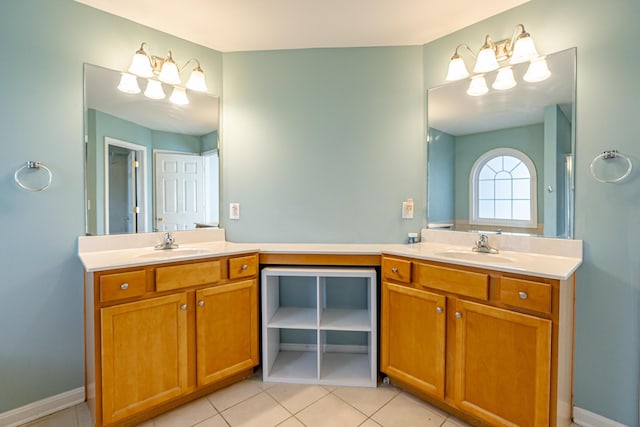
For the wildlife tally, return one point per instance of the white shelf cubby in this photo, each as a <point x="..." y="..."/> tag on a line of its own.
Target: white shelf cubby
<point x="319" y="325"/>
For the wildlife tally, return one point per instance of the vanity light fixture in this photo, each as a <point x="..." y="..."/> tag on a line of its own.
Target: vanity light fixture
<point x="478" y="86"/>
<point x="156" y="70"/>
<point x="520" y="48"/>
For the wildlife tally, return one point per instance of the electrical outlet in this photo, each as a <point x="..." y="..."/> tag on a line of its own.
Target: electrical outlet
<point x="407" y="209"/>
<point x="234" y="210"/>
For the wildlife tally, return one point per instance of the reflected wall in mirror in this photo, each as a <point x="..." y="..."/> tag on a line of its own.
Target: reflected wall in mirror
<point x="151" y="165"/>
<point x="503" y="161"/>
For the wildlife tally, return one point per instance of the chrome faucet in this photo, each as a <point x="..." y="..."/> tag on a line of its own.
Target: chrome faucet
<point x="482" y="245"/>
<point x="168" y="242"/>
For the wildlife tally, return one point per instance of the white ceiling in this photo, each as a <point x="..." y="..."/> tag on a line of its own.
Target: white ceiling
<point x="242" y="25"/>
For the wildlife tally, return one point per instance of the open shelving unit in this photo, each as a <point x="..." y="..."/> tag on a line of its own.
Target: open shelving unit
<point x="319" y="326"/>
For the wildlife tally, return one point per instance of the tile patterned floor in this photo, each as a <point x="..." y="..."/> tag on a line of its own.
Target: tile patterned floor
<point x="252" y="403"/>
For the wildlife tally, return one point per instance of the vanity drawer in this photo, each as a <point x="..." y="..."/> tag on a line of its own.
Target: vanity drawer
<point x="396" y="269"/>
<point x="187" y="275"/>
<point x="243" y="267"/>
<point x="525" y="294"/>
<point x="118" y="286"/>
<point x="467" y="283"/>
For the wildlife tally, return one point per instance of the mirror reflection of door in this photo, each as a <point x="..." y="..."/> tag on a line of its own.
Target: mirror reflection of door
<point x="180" y="191"/>
<point x="124" y="187"/>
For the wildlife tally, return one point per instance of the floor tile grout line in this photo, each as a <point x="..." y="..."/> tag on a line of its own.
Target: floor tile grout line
<point x="302" y="409"/>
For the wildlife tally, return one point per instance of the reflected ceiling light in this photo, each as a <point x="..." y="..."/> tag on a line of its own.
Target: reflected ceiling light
<point x="504" y="79"/>
<point x="537" y="71"/>
<point x="179" y="96"/>
<point x="128" y="84"/>
<point x="520" y="48"/>
<point x="154" y="90"/>
<point x="478" y="86"/>
<point x="157" y="70"/>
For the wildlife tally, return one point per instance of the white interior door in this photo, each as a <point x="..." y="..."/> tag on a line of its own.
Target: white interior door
<point x="179" y="182"/>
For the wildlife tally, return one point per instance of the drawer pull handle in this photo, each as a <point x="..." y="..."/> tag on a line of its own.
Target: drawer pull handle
<point x="523" y="295"/>
<point x="124" y="286"/>
<point x="244" y="266"/>
<point x="201" y="303"/>
<point x="394" y="270"/>
<point x="439" y="309"/>
<point x="458" y="315"/>
<point x="183" y="307"/>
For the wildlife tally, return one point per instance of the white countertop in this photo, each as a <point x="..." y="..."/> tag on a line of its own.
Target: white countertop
<point x="137" y="253"/>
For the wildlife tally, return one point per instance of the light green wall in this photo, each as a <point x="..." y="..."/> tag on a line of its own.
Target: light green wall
<point x="317" y="145"/>
<point x="607" y="353"/>
<point x="468" y="148"/>
<point x="323" y="145"/>
<point x="46" y="43"/>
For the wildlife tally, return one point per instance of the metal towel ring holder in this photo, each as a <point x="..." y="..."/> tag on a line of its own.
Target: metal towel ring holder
<point x="32" y="165"/>
<point x="606" y="155"/>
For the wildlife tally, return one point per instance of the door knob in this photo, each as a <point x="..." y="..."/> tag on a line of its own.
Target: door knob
<point x="159" y="218"/>
<point x="458" y="315"/>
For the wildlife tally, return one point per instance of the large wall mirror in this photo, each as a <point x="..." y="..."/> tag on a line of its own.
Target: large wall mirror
<point x="503" y="161"/>
<point x="151" y="165"/>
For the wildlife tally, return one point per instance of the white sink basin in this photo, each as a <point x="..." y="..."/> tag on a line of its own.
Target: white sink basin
<point x="474" y="256"/>
<point x="171" y="253"/>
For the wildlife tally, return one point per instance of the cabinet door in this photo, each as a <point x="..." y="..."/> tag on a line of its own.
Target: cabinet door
<point x="227" y="330"/>
<point x="144" y="354"/>
<point x="413" y="337"/>
<point x="503" y="365"/>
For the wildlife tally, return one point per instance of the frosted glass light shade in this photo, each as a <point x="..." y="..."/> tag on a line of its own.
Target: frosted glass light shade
<point x="478" y="86"/>
<point x="504" y="79"/>
<point x="169" y="72"/>
<point x="128" y="84"/>
<point x="523" y="50"/>
<point x="537" y="71"/>
<point x="457" y="69"/>
<point x="154" y="90"/>
<point x="179" y="96"/>
<point x="140" y="65"/>
<point x="486" y="61"/>
<point x="196" y="80"/>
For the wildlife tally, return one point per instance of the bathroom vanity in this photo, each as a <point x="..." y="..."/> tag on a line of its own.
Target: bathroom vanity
<point x="487" y="337"/>
<point x="166" y="331"/>
<point x="498" y="346"/>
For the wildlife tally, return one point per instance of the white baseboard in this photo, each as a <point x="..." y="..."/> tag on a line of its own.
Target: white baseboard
<point x="584" y="418"/>
<point x="41" y="408"/>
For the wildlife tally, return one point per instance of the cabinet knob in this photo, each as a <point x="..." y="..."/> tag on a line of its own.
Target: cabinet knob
<point x="244" y="266"/>
<point x="523" y="295"/>
<point x="394" y="270"/>
<point x="458" y="315"/>
<point x="201" y="303"/>
<point x="124" y="286"/>
<point x="183" y="307"/>
<point x="439" y="309"/>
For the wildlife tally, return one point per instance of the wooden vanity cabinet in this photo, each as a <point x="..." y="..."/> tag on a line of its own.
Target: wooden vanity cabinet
<point x="492" y="347"/>
<point x="158" y="336"/>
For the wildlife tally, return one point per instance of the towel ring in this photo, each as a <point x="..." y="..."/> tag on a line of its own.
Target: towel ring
<point x="32" y="165"/>
<point x="606" y="155"/>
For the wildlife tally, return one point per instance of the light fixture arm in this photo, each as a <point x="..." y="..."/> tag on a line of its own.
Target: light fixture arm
<point x="457" y="55"/>
<point x="180" y="69"/>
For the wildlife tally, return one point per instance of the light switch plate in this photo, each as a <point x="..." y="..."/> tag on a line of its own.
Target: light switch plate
<point x="407" y="210"/>
<point x="234" y="210"/>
